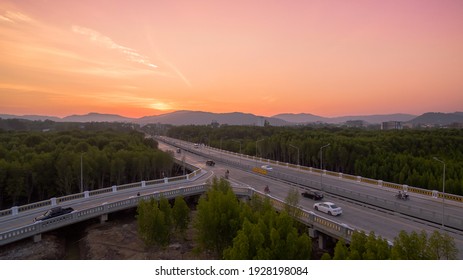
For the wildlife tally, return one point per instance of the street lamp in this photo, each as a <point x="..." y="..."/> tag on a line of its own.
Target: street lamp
<point x="297" y="152"/>
<point x="256" y="147"/>
<point x="81" y="175"/>
<point x="240" y="148"/>
<point x="321" y="165"/>
<point x="443" y="191"/>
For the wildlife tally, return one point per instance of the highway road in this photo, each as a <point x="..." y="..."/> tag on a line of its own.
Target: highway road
<point x="387" y="224"/>
<point x="27" y="217"/>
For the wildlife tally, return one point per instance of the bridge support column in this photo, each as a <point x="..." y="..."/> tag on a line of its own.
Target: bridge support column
<point x="37" y="237"/>
<point x="103" y="218"/>
<point x="321" y="241"/>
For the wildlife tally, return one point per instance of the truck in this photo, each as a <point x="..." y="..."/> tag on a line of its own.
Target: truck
<point x="53" y="212"/>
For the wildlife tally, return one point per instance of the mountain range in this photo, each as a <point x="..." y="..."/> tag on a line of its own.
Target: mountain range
<point x="237" y="118"/>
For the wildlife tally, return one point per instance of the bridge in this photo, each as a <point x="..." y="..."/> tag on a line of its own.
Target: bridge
<point x="364" y="201"/>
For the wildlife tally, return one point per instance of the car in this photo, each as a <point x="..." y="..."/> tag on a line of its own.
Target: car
<point x="53" y="212"/>
<point x="312" y="194"/>
<point x="328" y="207"/>
<point x="267" y="167"/>
<point x="179" y="151"/>
<point x="210" y="163"/>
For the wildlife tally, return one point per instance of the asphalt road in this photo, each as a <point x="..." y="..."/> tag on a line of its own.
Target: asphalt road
<point x="387" y="224"/>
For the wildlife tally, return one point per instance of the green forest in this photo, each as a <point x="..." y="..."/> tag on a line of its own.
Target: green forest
<point x="36" y="165"/>
<point x="400" y="156"/>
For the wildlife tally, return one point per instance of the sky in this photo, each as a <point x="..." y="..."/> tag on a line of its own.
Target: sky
<point x="141" y="58"/>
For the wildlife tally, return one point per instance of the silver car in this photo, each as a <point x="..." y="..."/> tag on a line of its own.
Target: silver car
<point x="328" y="207"/>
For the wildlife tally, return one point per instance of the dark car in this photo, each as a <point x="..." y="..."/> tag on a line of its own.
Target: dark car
<point x="312" y="194"/>
<point x="53" y="212"/>
<point x="210" y="163"/>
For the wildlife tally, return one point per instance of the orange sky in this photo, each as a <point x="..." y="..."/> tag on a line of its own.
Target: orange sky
<point x="138" y="58"/>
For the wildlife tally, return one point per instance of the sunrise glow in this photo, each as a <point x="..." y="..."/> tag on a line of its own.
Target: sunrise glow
<point x="140" y="58"/>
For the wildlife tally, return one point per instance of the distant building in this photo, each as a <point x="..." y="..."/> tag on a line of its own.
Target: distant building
<point x="215" y="124"/>
<point x="355" y="123"/>
<point x="391" y="125"/>
<point x="456" y="125"/>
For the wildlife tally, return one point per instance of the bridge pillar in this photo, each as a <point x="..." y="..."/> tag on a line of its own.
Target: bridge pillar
<point x="321" y="241"/>
<point x="53" y="201"/>
<point x="14" y="210"/>
<point x="143" y="184"/>
<point x="37" y="237"/>
<point x="313" y="233"/>
<point x="103" y="218"/>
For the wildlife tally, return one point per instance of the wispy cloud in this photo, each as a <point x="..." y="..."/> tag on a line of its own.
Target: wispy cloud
<point x="15" y="17"/>
<point x="131" y="54"/>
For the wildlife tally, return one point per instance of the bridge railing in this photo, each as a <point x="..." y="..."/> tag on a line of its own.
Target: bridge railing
<point x="59" y="200"/>
<point x="368" y="181"/>
<point x="307" y="217"/>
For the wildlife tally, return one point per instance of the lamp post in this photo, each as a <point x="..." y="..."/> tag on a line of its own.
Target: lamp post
<point x="321" y="165"/>
<point x="297" y="152"/>
<point x="443" y="190"/>
<point x="81" y="174"/>
<point x="240" y="148"/>
<point x="256" y="147"/>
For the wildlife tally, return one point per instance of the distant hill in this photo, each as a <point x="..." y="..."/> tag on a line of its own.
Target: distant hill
<point x="96" y="117"/>
<point x="438" y="119"/>
<point x="301" y="118"/>
<point x="372" y="119"/>
<point x="237" y="118"/>
<point x="205" y="118"/>
<point x="30" y="117"/>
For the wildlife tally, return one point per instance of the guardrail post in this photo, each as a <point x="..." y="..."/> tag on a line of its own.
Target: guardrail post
<point x="114" y="188"/>
<point x="143" y="184"/>
<point x="166" y="180"/>
<point x="14" y="210"/>
<point x="405" y="188"/>
<point x="359" y="178"/>
<point x="340" y="175"/>
<point x="435" y="194"/>
<point x="86" y="194"/>
<point x="380" y="183"/>
<point x="53" y="201"/>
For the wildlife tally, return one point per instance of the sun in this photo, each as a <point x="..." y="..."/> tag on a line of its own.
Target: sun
<point x="161" y="106"/>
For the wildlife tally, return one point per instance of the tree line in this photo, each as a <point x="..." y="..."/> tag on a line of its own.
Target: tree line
<point x="403" y="157"/>
<point x="39" y="165"/>
<point x="254" y="230"/>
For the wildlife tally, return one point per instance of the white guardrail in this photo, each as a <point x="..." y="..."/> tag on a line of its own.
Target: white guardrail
<point x="309" y="218"/>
